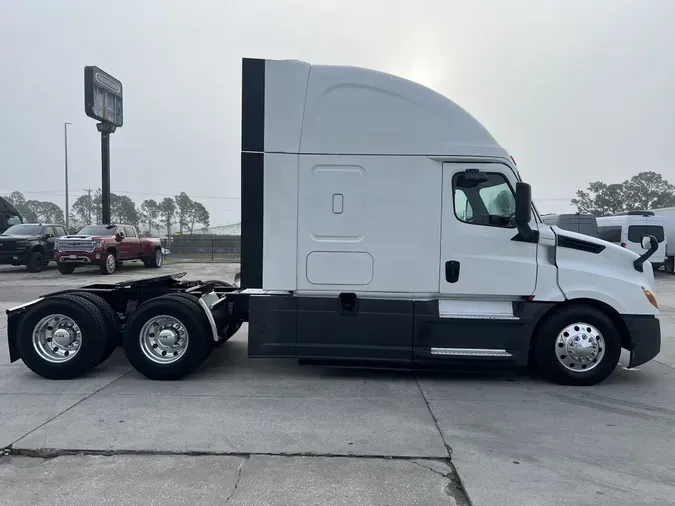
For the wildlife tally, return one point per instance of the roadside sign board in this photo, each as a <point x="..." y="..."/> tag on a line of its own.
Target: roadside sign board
<point x="102" y="96"/>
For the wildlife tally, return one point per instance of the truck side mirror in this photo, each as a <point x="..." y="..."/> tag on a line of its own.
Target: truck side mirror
<point x="523" y="203"/>
<point x="648" y="242"/>
<point x="523" y="212"/>
<point x="652" y="245"/>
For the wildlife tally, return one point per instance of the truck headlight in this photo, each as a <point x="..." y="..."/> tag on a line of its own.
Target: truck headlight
<point x="650" y="297"/>
<point x="98" y="243"/>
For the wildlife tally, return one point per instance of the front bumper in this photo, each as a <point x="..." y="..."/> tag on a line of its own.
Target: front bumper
<point x="78" y="258"/>
<point x="644" y="338"/>
<point x="14" y="259"/>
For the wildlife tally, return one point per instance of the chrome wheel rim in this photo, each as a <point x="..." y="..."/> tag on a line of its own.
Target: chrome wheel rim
<point x="580" y="347"/>
<point x="159" y="258"/>
<point x="110" y="263"/>
<point x="57" y="338"/>
<point x="164" y="339"/>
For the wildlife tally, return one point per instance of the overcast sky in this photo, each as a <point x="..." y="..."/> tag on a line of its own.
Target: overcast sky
<point x="576" y="90"/>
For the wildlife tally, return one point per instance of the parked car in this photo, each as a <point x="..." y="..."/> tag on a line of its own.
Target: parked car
<point x="9" y="215"/>
<point x="29" y="244"/>
<point x="106" y="246"/>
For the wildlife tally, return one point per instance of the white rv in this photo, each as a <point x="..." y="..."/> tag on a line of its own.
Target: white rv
<point x="627" y="229"/>
<point x="381" y="224"/>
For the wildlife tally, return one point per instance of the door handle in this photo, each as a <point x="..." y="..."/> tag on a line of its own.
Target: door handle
<point x="451" y="271"/>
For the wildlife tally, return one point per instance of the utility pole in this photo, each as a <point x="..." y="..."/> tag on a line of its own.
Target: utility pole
<point x="90" y="204"/>
<point x="65" y="140"/>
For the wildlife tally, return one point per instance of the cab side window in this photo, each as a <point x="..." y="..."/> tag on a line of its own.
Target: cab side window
<point x="130" y="231"/>
<point x="484" y="199"/>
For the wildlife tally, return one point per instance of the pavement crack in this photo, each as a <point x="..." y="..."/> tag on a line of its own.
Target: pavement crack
<point x="433" y="417"/>
<point x="429" y="468"/>
<point x="454" y="487"/>
<point x="236" y="483"/>
<point x="68" y="409"/>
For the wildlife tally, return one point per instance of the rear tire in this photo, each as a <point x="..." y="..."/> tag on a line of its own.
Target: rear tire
<point x="78" y="348"/>
<point x="669" y="266"/>
<point x="36" y="262"/>
<point x="112" y="340"/>
<point x="578" y="345"/>
<point x="167" y="338"/>
<point x="156" y="260"/>
<point x="66" y="268"/>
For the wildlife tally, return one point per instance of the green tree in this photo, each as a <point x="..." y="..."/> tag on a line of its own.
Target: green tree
<point x="646" y="190"/>
<point x="82" y="211"/>
<point x="37" y="211"/>
<point x="123" y="210"/>
<point x="198" y="215"/>
<point x="149" y="213"/>
<point x="19" y="202"/>
<point x="183" y="208"/>
<point x="167" y="210"/>
<point x="600" y="199"/>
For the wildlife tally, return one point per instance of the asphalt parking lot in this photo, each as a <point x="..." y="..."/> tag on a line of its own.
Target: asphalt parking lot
<point x="260" y="432"/>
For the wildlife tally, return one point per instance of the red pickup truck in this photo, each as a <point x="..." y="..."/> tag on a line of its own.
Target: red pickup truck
<point x="107" y="246"/>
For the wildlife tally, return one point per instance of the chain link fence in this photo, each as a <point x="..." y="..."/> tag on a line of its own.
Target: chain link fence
<point x="202" y="248"/>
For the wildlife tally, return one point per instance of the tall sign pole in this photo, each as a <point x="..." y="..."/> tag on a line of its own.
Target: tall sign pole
<point x="103" y="102"/>
<point x="65" y="140"/>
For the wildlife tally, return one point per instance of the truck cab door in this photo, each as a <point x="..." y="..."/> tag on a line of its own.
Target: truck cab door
<point x="481" y="256"/>
<point x="132" y="243"/>
<point x="486" y="269"/>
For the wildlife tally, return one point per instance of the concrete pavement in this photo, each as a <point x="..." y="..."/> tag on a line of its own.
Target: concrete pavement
<point x="243" y="431"/>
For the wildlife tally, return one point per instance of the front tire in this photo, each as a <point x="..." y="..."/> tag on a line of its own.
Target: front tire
<point x="36" y="261"/>
<point x="66" y="268"/>
<point x="167" y="338"/>
<point x="578" y="345"/>
<point x="109" y="264"/>
<point x="62" y="337"/>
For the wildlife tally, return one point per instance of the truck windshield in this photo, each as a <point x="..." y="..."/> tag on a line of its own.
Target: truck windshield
<point x="97" y="230"/>
<point x="23" y="230"/>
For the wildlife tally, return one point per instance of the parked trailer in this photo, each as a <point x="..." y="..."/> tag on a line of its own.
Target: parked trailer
<point x="381" y="224"/>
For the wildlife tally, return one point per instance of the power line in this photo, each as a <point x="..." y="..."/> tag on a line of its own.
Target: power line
<point x="85" y="191"/>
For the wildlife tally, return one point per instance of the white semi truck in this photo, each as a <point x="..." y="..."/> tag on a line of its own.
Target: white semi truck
<point x="381" y="225"/>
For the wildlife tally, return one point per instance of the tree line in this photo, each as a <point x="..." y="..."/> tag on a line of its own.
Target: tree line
<point x="182" y="212"/>
<point x="644" y="191"/>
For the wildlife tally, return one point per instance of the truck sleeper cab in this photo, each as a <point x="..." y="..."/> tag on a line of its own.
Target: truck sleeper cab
<point x="381" y="224"/>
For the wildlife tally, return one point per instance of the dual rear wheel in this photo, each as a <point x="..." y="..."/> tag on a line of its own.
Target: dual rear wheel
<point x="65" y="336"/>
